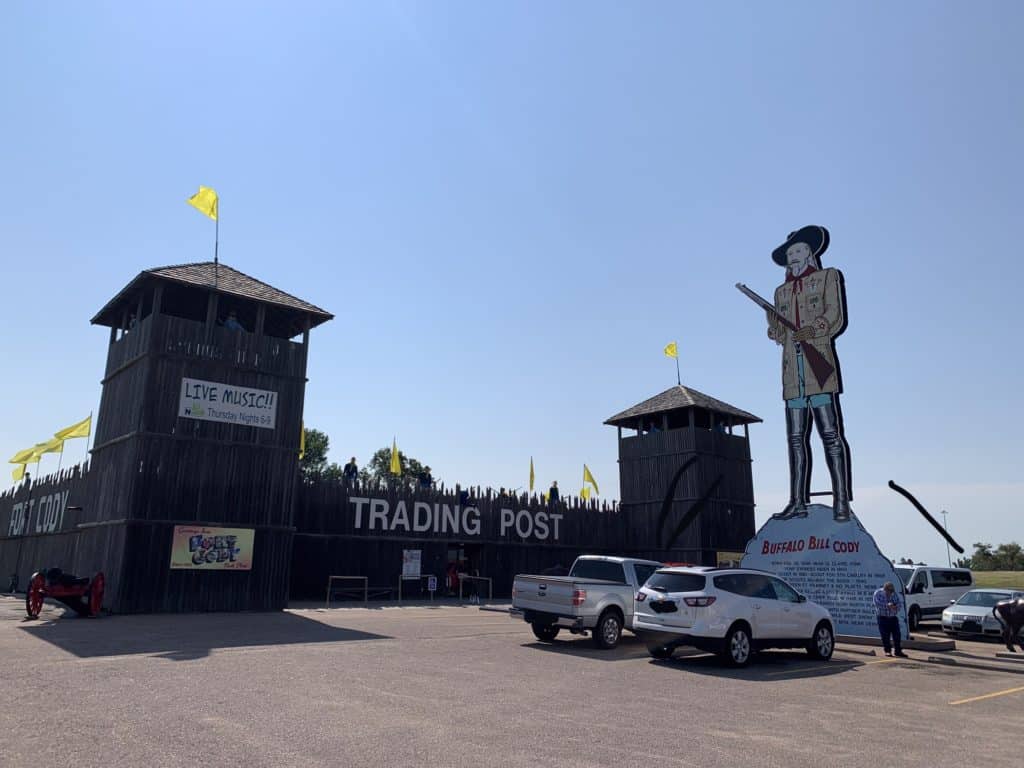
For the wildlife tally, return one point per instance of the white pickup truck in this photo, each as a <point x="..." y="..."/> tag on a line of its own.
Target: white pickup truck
<point x="598" y="595"/>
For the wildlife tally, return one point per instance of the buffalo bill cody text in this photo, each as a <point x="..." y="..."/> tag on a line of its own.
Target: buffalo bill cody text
<point x="810" y="543"/>
<point x="376" y="514"/>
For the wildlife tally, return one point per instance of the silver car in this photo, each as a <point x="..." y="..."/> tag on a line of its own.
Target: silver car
<point x="972" y="613"/>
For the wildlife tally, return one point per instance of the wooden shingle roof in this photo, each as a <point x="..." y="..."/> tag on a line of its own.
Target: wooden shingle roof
<point x="223" y="279"/>
<point x="677" y="398"/>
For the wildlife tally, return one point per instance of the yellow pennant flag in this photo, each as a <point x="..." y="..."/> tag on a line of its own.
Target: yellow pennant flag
<point x="302" y="439"/>
<point x="23" y="457"/>
<point x="531" y="474"/>
<point x="589" y="478"/>
<point x="56" y="445"/>
<point x="81" y="429"/>
<point x="37" y="453"/>
<point x="18" y="472"/>
<point x="585" y="493"/>
<point x="396" y="463"/>
<point x="671" y="350"/>
<point x="205" y="201"/>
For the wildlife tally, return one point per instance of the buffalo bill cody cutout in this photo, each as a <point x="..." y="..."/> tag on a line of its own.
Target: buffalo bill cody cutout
<point x="808" y="314"/>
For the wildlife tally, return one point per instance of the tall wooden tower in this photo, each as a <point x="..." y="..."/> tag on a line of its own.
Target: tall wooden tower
<point x="199" y="425"/>
<point x="680" y="428"/>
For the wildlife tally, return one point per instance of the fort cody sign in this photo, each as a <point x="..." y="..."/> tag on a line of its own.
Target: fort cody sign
<point x="226" y="403"/>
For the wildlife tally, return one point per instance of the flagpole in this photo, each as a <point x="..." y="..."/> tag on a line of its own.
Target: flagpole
<point x="216" y="242"/>
<point x="678" y="380"/>
<point x="89" y="437"/>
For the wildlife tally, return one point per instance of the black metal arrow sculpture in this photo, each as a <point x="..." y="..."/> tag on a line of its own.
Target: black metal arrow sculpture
<point x="929" y="518"/>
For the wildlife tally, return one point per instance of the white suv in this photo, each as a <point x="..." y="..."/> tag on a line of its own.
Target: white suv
<point x="729" y="611"/>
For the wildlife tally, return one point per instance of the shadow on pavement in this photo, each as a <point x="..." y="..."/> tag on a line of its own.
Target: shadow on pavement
<point x="765" y="666"/>
<point x="187" y="636"/>
<point x="629" y="648"/>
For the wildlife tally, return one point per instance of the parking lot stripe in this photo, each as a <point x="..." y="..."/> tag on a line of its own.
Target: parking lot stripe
<point x="987" y="696"/>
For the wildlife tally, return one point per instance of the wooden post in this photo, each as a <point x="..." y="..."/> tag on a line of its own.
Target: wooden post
<point x="261" y="319"/>
<point x="158" y="297"/>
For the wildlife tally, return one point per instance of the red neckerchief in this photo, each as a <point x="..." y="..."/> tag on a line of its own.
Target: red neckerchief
<point x="798" y="287"/>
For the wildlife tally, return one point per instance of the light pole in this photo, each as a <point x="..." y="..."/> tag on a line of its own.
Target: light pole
<point x="949" y="560"/>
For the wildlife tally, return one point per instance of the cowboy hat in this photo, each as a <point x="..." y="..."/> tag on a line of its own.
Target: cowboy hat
<point x="814" y="236"/>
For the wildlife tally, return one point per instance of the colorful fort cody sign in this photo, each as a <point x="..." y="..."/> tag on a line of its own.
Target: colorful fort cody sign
<point x="217" y="549"/>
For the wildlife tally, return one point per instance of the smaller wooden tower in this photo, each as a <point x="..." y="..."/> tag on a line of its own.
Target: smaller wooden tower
<point x="164" y="458"/>
<point x="657" y="438"/>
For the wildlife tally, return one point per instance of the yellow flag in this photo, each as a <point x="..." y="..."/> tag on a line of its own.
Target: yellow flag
<point x="302" y="439"/>
<point x="589" y="478"/>
<point x="37" y="453"/>
<point x="585" y="493"/>
<point x="23" y="457"/>
<point x="205" y="201"/>
<point x="671" y="350"/>
<point x="544" y="496"/>
<point x="531" y="474"/>
<point x="18" y="472"/>
<point x="81" y="429"/>
<point x="56" y="445"/>
<point x="396" y="463"/>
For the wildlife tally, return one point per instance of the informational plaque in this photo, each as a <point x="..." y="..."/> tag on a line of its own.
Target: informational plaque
<point x="411" y="560"/>
<point x="835" y="564"/>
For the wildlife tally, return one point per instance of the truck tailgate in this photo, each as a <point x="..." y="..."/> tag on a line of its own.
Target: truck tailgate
<point x="551" y="594"/>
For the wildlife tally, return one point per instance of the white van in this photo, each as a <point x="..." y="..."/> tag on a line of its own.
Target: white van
<point x="929" y="589"/>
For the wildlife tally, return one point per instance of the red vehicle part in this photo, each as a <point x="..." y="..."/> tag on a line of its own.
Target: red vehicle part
<point x="82" y="595"/>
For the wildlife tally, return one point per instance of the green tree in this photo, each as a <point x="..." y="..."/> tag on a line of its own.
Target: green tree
<point x="314" y="465"/>
<point x="1008" y="557"/>
<point x="982" y="559"/>
<point x="378" y="469"/>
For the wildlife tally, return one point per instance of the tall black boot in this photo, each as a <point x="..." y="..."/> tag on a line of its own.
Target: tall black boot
<point x="798" y="434"/>
<point x="837" y="456"/>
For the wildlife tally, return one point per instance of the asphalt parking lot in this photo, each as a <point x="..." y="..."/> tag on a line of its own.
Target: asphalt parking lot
<point x="458" y="686"/>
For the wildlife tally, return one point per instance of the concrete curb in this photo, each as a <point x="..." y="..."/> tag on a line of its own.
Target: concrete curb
<point x="911" y="644"/>
<point x="951" y="662"/>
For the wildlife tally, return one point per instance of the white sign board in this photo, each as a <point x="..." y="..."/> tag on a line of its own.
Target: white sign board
<point x="432" y="584"/>
<point x="226" y="403"/>
<point x="411" y="559"/>
<point x="837" y="565"/>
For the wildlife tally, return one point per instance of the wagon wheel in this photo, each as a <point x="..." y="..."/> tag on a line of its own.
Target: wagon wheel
<point x="96" y="594"/>
<point x="34" y="595"/>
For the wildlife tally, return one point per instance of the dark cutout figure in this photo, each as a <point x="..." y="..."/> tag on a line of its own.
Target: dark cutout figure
<point x="1010" y="614"/>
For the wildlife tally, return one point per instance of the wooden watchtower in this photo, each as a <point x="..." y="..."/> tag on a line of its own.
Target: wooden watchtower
<point x="158" y="462"/>
<point x="656" y="439"/>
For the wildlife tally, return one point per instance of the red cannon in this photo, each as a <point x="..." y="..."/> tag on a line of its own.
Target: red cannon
<point x="82" y="595"/>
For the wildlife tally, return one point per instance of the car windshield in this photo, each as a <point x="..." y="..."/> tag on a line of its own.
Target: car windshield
<point x="982" y="599"/>
<point x="905" y="574"/>
<point x="676" y="582"/>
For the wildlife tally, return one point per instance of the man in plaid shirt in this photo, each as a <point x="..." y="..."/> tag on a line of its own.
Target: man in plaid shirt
<point x="887" y="609"/>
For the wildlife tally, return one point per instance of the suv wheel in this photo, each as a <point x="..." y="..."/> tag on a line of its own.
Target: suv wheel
<point x="823" y="642"/>
<point x="608" y="630"/>
<point x="738" y="646"/>
<point x="914" y="618"/>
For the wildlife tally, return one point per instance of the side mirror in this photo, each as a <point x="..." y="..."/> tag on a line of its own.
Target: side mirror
<point x="952" y="602"/>
<point x="801" y="598"/>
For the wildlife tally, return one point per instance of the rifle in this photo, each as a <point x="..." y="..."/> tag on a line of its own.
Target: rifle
<point x="821" y="367"/>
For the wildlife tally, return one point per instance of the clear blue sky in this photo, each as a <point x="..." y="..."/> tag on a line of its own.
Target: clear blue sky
<point x="512" y="209"/>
